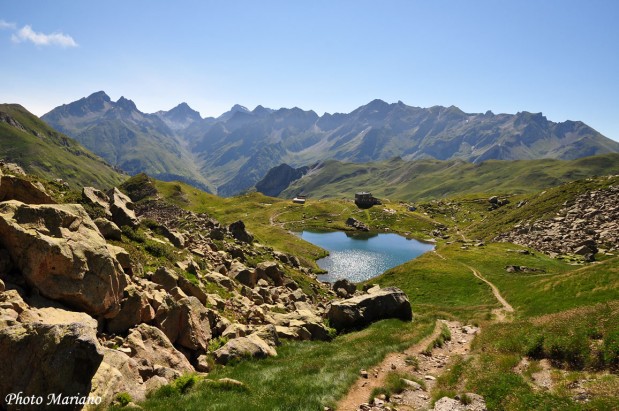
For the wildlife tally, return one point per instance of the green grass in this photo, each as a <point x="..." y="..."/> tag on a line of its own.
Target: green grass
<point x="304" y="375"/>
<point x="570" y="339"/>
<point x="441" y="286"/>
<point x="431" y="179"/>
<point x="42" y="151"/>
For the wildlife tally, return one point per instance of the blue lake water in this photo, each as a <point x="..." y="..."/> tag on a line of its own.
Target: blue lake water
<point x="361" y="256"/>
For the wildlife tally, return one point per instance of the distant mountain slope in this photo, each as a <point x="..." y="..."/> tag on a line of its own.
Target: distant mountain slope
<point x="398" y="179"/>
<point x="279" y="178"/>
<point x="235" y="150"/>
<point x="41" y="150"/>
<point x="131" y="140"/>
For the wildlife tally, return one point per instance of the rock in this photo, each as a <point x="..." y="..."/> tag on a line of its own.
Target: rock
<point x="2" y="286"/>
<point x="44" y="359"/>
<point x="390" y="302"/>
<point x="59" y="250"/>
<point x="165" y="277"/>
<point x="117" y="373"/>
<point x="121" y="208"/>
<point x="236" y="330"/>
<point x="244" y="347"/>
<point x="413" y="385"/>
<point x="125" y="261"/>
<point x="237" y="229"/>
<point x="268" y="333"/>
<point x="239" y="272"/>
<point x="203" y="364"/>
<point x="476" y="403"/>
<point x="176" y="238"/>
<point x="19" y="189"/>
<point x="195" y="328"/>
<point x="185" y="322"/>
<point x="220" y="279"/>
<point x="302" y="322"/>
<point x="151" y="346"/>
<point x="493" y="200"/>
<point x="6" y="265"/>
<point x="352" y="222"/>
<point x="97" y="198"/>
<point x="192" y="289"/>
<point x="108" y="229"/>
<point x="56" y="316"/>
<point x="134" y="310"/>
<point x="348" y="287"/>
<point x="270" y="270"/>
<point x="364" y="374"/>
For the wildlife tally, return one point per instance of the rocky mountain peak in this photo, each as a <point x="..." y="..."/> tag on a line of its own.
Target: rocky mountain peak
<point x="126" y="104"/>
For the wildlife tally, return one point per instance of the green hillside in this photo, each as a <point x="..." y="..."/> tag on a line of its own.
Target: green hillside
<point x="41" y="150"/>
<point x="427" y="179"/>
<point x="564" y="313"/>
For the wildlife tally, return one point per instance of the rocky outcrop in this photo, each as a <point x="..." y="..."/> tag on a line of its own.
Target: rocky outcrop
<point x="135" y="309"/>
<point x="97" y="199"/>
<point x="44" y="359"/>
<point x="185" y="322"/>
<point x="362" y="310"/>
<point x="121" y="208"/>
<point x="251" y="346"/>
<point x="356" y="224"/>
<point x="279" y="178"/>
<point x="581" y="227"/>
<point x="59" y="251"/>
<point x="108" y="229"/>
<point x="237" y="229"/>
<point x="153" y="350"/>
<point x="16" y="188"/>
<point x="344" y="288"/>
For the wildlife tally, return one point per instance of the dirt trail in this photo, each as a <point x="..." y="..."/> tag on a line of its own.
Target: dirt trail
<point x="426" y="369"/>
<point x="501" y="313"/>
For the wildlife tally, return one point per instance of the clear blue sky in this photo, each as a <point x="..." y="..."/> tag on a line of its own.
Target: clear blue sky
<point x="557" y="57"/>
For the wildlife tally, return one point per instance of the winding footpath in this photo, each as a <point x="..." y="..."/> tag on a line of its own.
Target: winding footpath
<point x="501" y="313"/>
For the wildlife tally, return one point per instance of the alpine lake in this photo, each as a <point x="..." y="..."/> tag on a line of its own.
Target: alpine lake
<point x="359" y="256"/>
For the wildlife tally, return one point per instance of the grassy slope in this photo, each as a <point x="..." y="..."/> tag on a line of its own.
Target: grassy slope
<point x="46" y="153"/>
<point x="316" y="374"/>
<point x="426" y="179"/>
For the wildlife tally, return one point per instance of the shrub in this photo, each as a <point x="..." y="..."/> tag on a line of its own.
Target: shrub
<point x="123" y="399"/>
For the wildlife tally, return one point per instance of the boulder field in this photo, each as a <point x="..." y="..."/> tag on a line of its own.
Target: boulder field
<point x="82" y="318"/>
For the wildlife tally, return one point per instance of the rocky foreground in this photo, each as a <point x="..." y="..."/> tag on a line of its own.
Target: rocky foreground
<point x="84" y="317"/>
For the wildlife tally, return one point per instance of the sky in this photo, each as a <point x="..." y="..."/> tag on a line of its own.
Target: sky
<point x="559" y="57"/>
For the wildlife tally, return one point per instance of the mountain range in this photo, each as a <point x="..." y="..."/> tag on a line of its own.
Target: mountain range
<point x="231" y="153"/>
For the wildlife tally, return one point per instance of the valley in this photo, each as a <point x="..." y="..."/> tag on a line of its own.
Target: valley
<point x="216" y="302"/>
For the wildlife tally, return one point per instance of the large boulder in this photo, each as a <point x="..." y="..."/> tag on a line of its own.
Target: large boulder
<point x="238" y="231"/>
<point x="40" y="359"/>
<point x="97" y="199"/>
<point x="241" y="273"/>
<point x="117" y="373"/>
<point x="59" y="250"/>
<point x="251" y="346"/>
<point x="301" y="325"/>
<point x="135" y="309"/>
<point x="185" y="322"/>
<point x="359" y="311"/>
<point x="108" y="229"/>
<point x="165" y="277"/>
<point x="150" y="346"/>
<point x="16" y="188"/>
<point x="270" y="270"/>
<point x="121" y="208"/>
